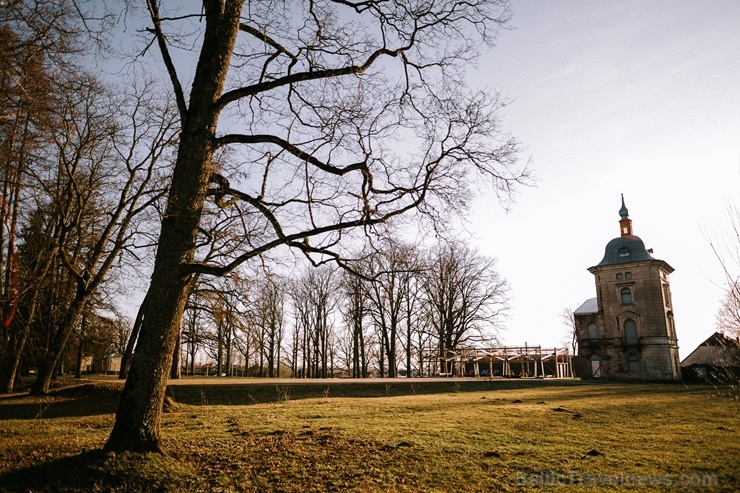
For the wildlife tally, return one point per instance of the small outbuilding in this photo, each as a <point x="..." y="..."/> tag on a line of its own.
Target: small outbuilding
<point x="112" y="363"/>
<point x="715" y="360"/>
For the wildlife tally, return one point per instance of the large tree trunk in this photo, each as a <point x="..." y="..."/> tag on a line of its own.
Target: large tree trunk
<point x="138" y="419"/>
<point x="80" y="355"/>
<point x="176" y="359"/>
<point x="11" y="359"/>
<point x="220" y="353"/>
<point x="128" y="353"/>
<point x="408" y="347"/>
<point x="81" y="348"/>
<point x="49" y="363"/>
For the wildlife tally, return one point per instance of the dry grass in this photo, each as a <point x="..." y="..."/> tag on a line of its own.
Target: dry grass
<point x="421" y="436"/>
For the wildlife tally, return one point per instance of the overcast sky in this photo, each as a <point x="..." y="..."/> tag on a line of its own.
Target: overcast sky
<point x="633" y="97"/>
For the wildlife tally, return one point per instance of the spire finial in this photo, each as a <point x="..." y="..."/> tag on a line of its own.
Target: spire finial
<point x="625" y="223"/>
<point x="623" y="212"/>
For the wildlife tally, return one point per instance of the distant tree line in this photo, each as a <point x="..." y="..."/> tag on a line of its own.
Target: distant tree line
<point x="379" y="318"/>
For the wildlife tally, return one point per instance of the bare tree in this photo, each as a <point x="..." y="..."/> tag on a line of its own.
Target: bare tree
<point x="225" y="305"/>
<point x="314" y="301"/>
<point x="193" y="332"/>
<point x="571" y="337"/>
<point x="728" y="315"/>
<point x="391" y="271"/>
<point x="325" y="94"/>
<point x="269" y="318"/>
<point x="465" y="297"/>
<point x="109" y="157"/>
<point x="727" y="250"/>
<point x="355" y="311"/>
<point x="412" y="310"/>
<point x="301" y="337"/>
<point x="37" y="43"/>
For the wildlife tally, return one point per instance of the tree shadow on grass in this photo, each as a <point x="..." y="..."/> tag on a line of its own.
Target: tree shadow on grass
<point x="99" y="398"/>
<point x="96" y="471"/>
<point x="261" y="393"/>
<point x="89" y="399"/>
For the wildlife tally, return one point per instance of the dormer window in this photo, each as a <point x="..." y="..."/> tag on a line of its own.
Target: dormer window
<point x="624" y="252"/>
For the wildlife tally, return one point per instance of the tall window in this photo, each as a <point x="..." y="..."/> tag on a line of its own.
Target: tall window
<point x="630" y="332"/>
<point x="633" y="364"/>
<point x="626" y="294"/>
<point x="595" y="366"/>
<point x="667" y="295"/>
<point x="593" y="331"/>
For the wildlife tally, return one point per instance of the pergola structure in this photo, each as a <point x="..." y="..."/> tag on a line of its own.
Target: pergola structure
<point x="510" y="361"/>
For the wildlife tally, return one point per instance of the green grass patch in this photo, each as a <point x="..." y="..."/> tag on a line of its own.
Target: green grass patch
<point x="418" y="436"/>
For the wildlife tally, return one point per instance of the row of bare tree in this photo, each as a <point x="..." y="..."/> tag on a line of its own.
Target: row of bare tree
<point x="83" y="165"/>
<point x="397" y="309"/>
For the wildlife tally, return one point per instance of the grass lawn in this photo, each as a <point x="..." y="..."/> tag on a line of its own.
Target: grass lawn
<point x="402" y="436"/>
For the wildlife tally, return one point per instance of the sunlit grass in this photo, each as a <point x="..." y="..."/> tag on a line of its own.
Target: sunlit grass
<point x="474" y="436"/>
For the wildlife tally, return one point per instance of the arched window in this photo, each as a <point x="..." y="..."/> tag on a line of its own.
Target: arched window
<point x="667" y="295"/>
<point x="624" y="252"/>
<point x="633" y="364"/>
<point x="626" y="294"/>
<point x="593" y="331"/>
<point x="595" y="366"/>
<point x="630" y="332"/>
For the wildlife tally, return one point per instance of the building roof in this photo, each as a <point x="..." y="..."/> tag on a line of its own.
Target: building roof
<point x="717" y="350"/>
<point x="626" y="248"/>
<point x="588" y="307"/>
<point x="623" y="250"/>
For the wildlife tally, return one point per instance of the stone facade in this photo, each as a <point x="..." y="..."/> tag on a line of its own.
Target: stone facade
<point x="628" y="330"/>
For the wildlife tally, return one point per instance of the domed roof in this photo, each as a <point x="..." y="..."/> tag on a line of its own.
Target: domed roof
<point x="625" y="249"/>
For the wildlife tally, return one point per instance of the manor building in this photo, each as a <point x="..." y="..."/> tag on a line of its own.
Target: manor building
<point x="627" y="331"/>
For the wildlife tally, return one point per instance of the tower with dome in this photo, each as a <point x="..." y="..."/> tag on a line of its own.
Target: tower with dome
<point x="627" y="331"/>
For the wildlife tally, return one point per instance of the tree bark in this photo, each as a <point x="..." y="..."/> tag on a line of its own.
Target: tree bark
<point x="51" y="361"/>
<point x="128" y="353"/>
<point x="138" y="420"/>
<point x="175" y="369"/>
<point x="80" y="354"/>
<point x="10" y="363"/>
